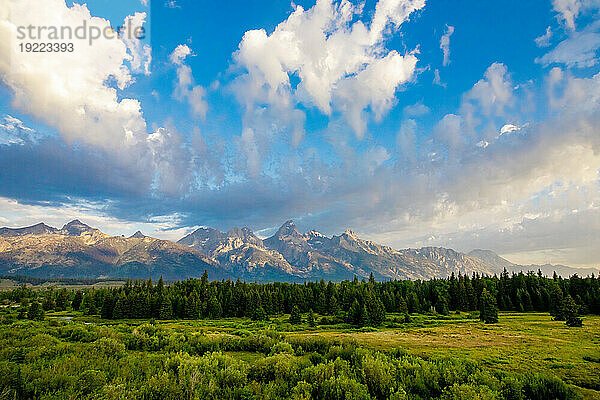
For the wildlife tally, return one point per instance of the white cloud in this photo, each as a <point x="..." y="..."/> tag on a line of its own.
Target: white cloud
<point x="508" y="128"/>
<point x="140" y="53"/>
<point x="335" y="59"/>
<point x="578" y="50"/>
<point x="406" y="139"/>
<point x="13" y="131"/>
<point x="544" y="40"/>
<point x="172" y="4"/>
<point x="416" y="110"/>
<point x="68" y="90"/>
<point x="494" y="92"/>
<point x="185" y="88"/>
<point x="568" y="10"/>
<point x="79" y="93"/>
<point x="374" y="88"/>
<point x="436" y="78"/>
<point x="450" y="131"/>
<point x="445" y="44"/>
<point x="179" y="54"/>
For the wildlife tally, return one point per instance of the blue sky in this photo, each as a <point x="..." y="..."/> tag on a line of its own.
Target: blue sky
<point x="460" y="124"/>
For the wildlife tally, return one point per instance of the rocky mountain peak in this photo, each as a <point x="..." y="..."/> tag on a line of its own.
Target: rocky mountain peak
<point x="37" y="229"/>
<point x="240" y="233"/>
<point x="316" y="234"/>
<point x="350" y="234"/>
<point x="137" y="235"/>
<point x="288" y="229"/>
<point x="245" y="235"/>
<point x="76" y="228"/>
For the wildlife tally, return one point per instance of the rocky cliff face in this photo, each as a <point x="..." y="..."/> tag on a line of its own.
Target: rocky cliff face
<point x="78" y="250"/>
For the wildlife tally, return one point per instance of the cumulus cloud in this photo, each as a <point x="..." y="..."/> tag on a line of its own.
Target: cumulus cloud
<point x="68" y="90"/>
<point x="185" y="88"/>
<point x="336" y="60"/>
<point x="14" y="131"/>
<point x="445" y="44"/>
<point x="80" y="94"/>
<point x="494" y="92"/>
<point x="568" y="10"/>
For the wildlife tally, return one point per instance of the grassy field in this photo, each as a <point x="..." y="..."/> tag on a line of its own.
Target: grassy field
<point x="10" y="284"/>
<point x="520" y="342"/>
<point x="529" y="342"/>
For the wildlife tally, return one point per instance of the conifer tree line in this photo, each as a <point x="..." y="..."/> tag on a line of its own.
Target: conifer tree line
<point x="358" y="302"/>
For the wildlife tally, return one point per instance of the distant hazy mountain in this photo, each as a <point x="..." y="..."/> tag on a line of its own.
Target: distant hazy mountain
<point x="498" y="264"/>
<point x="78" y="250"/>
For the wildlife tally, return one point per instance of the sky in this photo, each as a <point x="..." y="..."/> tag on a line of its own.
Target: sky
<point x="469" y="124"/>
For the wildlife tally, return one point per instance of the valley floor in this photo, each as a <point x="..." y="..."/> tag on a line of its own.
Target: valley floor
<point x="521" y="343"/>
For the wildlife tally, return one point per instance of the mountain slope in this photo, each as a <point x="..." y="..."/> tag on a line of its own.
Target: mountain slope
<point x="78" y="250"/>
<point x="37" y="229"/>
<point x="346" y="255"/>
<point x="240" y="253"/>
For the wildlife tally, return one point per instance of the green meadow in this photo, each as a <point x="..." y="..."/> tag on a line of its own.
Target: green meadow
<point x="524" y="355"/>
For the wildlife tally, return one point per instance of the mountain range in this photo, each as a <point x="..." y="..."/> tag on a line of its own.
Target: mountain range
<point x="80" y="251"/>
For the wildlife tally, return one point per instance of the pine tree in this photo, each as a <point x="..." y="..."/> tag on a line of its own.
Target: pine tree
<point x="295" y="317"/>
<point x="166" y="308"/>
<point x="49" y="303"/>
<point x="364" y="317"/>
<point x="36" y="311"/>
<point x="160" y="286"/>
<point x="62" y="299"/>
<point x="260" y="314"/>
<point x="89" y="305"/>
<point x="214" y="309"/>
<point x="357" y="315"/>
<point x="77" y="300"/>
<point x="311" y="318"/>
<point x="334" y="306"/>
<point x="192" y="306"/>
<point x="556" y="302"/>
<point x="441" y="307"/>
<point x="402" y="306"/>
<point x="489" y="310"/>
<point x="119" y="309"/>
<point x="106" y="311"/>
<point x="571" y="312"/>
<point x="375" y="310"/>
